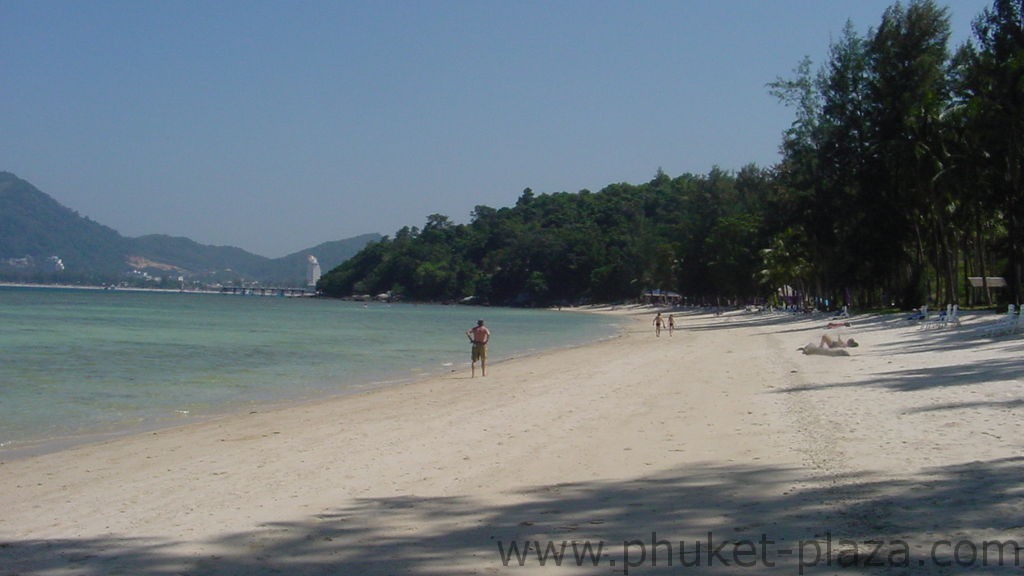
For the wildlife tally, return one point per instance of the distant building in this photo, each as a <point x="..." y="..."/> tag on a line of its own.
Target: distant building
<point x="55" y="264"/>
<point x="25" y="262"/>
<point x="312" y="270"/>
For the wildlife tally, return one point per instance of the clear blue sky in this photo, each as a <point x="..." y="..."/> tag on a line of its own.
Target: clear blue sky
<point x="275" y="126"/>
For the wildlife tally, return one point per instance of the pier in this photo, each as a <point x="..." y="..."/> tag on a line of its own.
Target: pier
<point x="268" y="291"/>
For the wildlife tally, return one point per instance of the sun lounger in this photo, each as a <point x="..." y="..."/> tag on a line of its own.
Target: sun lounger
<point x="920" y="316"/>
<point x="940" y="319"/>
<point x="1005" y="325"/>
<point x="953" y="318"/>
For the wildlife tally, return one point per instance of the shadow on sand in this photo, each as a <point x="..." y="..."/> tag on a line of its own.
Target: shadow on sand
<point x="755" y="517"/>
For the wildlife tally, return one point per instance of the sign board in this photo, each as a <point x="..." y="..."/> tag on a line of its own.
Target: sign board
<point x="992" y="281"/>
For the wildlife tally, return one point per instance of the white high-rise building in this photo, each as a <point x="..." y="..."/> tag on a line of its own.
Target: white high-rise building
<point x="312" y="270"/>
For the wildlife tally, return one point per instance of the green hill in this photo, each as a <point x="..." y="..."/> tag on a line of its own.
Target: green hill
<point x="329" y="255"/>
<point x="34" y="227"/>
<point x="36" y="230"/>
<point x="194" y="257"/>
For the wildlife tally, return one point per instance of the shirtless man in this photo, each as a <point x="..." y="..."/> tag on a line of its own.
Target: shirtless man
<point x="479" y="336"/>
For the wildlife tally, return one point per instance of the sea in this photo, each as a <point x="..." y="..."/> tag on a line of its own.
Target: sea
<point x="78" y="365"/>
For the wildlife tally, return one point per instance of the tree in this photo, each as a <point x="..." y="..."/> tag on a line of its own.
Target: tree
<point x="992" y="86"/>
<point x="841" y="211"/>
<point x="907" y="93"/>
<point x="784" y="263"/>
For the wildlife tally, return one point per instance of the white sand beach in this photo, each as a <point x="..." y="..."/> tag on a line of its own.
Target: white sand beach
<point x="722" y="433"/>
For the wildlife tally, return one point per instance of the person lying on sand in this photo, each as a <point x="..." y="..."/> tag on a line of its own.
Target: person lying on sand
<point x="828" y="341"/>
<point x="823" y="351"/>
<point x="828" y="346"/>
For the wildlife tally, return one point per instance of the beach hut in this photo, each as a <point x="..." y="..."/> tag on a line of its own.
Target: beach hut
<point x="661" y="297"/>
<point x="986" y="284"/>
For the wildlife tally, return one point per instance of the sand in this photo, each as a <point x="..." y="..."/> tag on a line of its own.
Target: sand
<point x="905" y="454"/>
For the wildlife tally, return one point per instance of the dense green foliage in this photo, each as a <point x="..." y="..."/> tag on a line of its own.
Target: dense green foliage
<point x="698" y="233"/>
<point x="906" y="160"/>
<point x="901" y="176"/>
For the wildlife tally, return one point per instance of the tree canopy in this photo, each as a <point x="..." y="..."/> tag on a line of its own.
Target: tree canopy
<point x="901" y="176"/>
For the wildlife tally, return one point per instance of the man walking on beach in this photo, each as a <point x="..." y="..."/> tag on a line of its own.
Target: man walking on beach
<point x="479" y="336"/>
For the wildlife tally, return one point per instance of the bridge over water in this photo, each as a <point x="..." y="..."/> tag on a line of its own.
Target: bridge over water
<point x="268" y="291"/>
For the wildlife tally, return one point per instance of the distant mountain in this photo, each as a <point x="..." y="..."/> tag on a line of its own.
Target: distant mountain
<point x="34" y="226"/>
<point x="42" y="240"/>
<point x="328" y="254"/>
<point x="158" y="251"/>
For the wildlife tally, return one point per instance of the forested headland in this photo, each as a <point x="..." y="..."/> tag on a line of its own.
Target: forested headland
<point x="900" y="178"/>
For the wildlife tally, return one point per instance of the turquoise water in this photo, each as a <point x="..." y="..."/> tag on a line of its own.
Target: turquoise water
<point x="77" y="363"/>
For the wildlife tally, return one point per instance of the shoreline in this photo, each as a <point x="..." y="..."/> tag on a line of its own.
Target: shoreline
<point x="720" y="432"/>
<point x="28" y="448"/>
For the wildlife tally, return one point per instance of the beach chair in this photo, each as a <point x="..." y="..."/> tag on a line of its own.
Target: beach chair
<point x="953" y="318"/>
<point x="1012" y="319"/>
<point x="940" y="319"/>
<point x="922" y="318"/>
<point x="1018" y="326"/>
<point x="1005" y="325"/>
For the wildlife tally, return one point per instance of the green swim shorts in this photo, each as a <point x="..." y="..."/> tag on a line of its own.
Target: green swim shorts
<point x="479" y="352"/>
